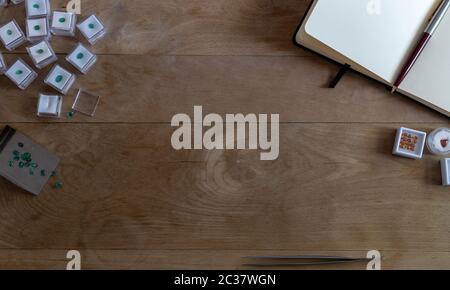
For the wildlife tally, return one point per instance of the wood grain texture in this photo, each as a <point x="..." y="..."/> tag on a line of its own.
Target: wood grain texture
<point x="335" y="186"/>
<point x="194" y="27"/>
<point x="131" y="201"/>
<point x="211" y="260"/>
<point x="153" y="89"/>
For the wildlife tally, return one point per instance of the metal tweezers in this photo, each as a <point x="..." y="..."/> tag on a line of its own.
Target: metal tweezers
<point x="278" y="261"/>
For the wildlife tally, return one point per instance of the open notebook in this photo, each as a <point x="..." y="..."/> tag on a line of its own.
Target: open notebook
<point x="376" y="37"/>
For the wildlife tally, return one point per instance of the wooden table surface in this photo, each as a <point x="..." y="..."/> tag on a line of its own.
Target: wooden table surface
<point x="130" y="201"/>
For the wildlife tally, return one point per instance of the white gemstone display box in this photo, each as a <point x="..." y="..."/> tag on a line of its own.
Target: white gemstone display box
<point x="81" y="58"/>
<point x="21" y="74"/>
<point x="63" y="23"/>
<point x="42" y="54"/>
<point x="92" y="28"/>
<point x="11" y="35"/>
<point x="3" y="66"/>
<point x="445" y="168"/>
<point x="38" y="29"/>
<point x="409" y="143"/>
<point x="37" y="8"/>
<point x="60" y="79"/>
<point x="49" y="106"/>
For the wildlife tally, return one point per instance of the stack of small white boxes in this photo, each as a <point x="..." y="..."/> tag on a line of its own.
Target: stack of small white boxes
<point x="41" y="24"/>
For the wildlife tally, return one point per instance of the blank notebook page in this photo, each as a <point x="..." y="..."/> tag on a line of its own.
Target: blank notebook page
<point x="377" y="34"/>
<point x="429" y="78"/>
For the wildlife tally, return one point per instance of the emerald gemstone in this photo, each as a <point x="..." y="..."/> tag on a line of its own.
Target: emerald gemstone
<point x="19" y="72"/>
<point x="58" y="185"/>
<point x="9" y="32"/>
<point x="80" y="55"/>
<point x="91" y="25"/>
<point x="40" y="51"/>
<point x="43" y="173"/>
<point x="59" y="79"/>
<point x="36" y="6"/>
<point x="37" y="27"/>
<point x="62" y="19"/>
<point x="20" y="144"/>
<point x="26" y="156"/>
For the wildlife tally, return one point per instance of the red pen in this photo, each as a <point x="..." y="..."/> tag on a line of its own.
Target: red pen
<point x="428" y="33"/>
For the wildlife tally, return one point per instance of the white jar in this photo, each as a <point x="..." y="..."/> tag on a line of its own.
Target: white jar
<point x="438" y="142"/>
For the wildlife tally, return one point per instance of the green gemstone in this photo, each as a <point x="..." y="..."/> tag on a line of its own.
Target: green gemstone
<point x="19" y="72"/>
<point x="58" y="185"/>
<point x="16" y="153"/>
<point x="20" y="144"/>
<point x="11" y="163"/>
<point x="91" y="25"/>
<point x="21" y="164"/>
<point x="62" y="20"/>
<point x="26" y="156"/>
<point x="80" y="55"/>
<point x="34" y="165"/>
<point x="31" y="172"/>
<point x="43" y="173"/>
<point x="70" y="115"/>
<point x="40" y="51"/>
<point x="9" y="32"/>
<point x="16" y="158"/>
<point x="54" y="173"/>
<point x="59" y="79"/>
<point x="36" y="6"/>
<point x="37" y="27"/>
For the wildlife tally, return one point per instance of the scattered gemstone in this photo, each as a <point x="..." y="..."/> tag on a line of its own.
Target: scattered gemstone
<point x="26" y="156"/>
<point x="58" y="185"/>
<point x="43" y="173"/>
<point x="20" y="144"/>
